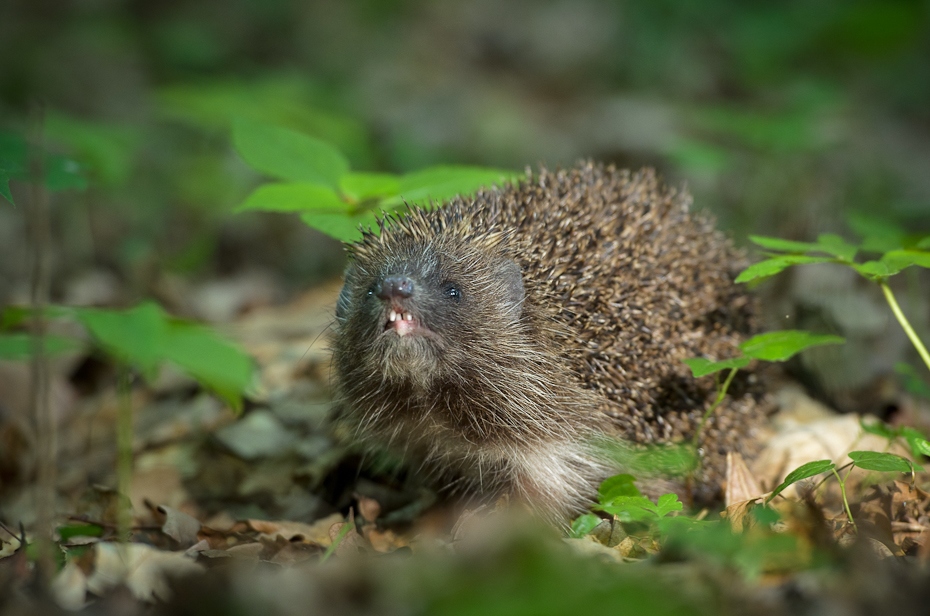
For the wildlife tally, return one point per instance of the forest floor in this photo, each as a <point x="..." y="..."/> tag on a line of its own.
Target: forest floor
<point x="264" y="510"/>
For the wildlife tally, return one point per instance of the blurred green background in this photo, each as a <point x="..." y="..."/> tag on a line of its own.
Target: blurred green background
<point x="787" y="119"/>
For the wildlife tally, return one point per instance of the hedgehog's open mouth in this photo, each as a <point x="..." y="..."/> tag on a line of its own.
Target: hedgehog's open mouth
<point x="402" y="323"/>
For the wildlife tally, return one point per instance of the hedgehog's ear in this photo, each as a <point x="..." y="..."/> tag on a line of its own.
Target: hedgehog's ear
<point x="514" y="292"/>
<point x="342" y="304"/>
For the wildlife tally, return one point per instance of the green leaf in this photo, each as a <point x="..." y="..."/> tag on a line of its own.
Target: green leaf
<point x="874" y="270"/>
<point x="145" y="337"/>
<point x="63" y="173"/>
<point x="919" y="445"/>
<point x="836" y="246"/>
<point x="902" y="259"/>
<point x="287" y="154"/>
<point x="20" y="346"/>
<point x="212" y="361"/>
<point x="878" y="428"/>
<point x="882" y="462"/>
<point x="924" y="244"/>
<point x="630" y="508"/>
<point x="584" y="524"/>
<point x="783" y="345"/>
<point x="702" y="367"/>
<point x="891" y="263"/>
<point x="106" y="149"/>
<point x="774" y="265"/>
<point x="878" y="234"/>
<point x="781" y="245"/>
<point x="344" y="227"/>
<point x="667" y="504"/>
<point x="913" y="383"/>
<point x="70" y="531"/>
<point x="437" y="184"/>
<point x="618" y="485"/>
<point x="132" y="336"/>
<point x="293" y="197"/>
<point x="802" y="472"/>
<point x="361" y="186"/>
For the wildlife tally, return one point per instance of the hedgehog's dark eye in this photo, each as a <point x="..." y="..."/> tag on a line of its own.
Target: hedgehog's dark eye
<point x="452" y="291"/>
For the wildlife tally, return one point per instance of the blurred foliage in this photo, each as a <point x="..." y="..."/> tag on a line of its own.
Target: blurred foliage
<point x="779" y="117"/>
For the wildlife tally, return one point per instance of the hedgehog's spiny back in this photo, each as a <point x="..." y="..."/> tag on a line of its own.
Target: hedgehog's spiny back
<point x="641" y="283"/>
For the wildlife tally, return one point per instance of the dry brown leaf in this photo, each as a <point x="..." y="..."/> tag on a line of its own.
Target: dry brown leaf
<point x="352" y="543"/>
<point x="318" y="532"/>
<point x="385" y="540"/>
<point x="158" y="484"/>
<point x="741" y="483"/>
<point x="180" y="526"/>
<point x="736" y="514"/>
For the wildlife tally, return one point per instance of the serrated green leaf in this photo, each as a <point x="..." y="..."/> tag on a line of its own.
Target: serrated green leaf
<point x="343" y="227"/>
<point x="882" y="462"/>
<point x="774" y="265"/>
<point x="616" y="486"/>
<point x="437" y="184"/>
<point x="783" y="345"/>
<point x="361" y="186"/>
<point x="19" y="346"/>
<point x="293" y="197"/>
<point x="630" y="508"/>
<point x="288" y="155"/>
<point x="212" y="361"/>
<point x="584" y="524"/>
<point x="667" y="504"/>
<point x="802" y="472"/>
<point x="702" y="367"/>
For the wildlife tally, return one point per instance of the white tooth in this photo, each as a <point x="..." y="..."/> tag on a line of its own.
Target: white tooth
<point x="393" y="316"/>
<point x="408" y="316"/>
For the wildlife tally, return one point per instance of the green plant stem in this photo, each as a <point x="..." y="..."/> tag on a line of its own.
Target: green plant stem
<point x="721" y="394"/>
<point x="336" y="541"/>
<point x="842" y="483"/>
<point x="46" y="428"/>
<point x="905" y="324"/>
<point x="124" y="454"/>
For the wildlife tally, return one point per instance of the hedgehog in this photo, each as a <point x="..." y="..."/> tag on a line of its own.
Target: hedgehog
<point x="495" y="342"/>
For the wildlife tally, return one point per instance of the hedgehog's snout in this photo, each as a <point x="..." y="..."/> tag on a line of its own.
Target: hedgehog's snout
<point x="393" y="291"/>
<point x="395" y="287"/>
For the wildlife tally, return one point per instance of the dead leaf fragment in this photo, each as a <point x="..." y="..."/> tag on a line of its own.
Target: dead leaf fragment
<point x="143" y="569"/>
<point x="180" y="526"/>
<point x="741" y="483"/>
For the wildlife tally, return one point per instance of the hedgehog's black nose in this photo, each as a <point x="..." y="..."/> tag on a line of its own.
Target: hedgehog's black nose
<point x="394" y="287"/>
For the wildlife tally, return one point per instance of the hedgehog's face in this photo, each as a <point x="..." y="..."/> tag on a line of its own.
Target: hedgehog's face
<point x="421" y="312"/>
